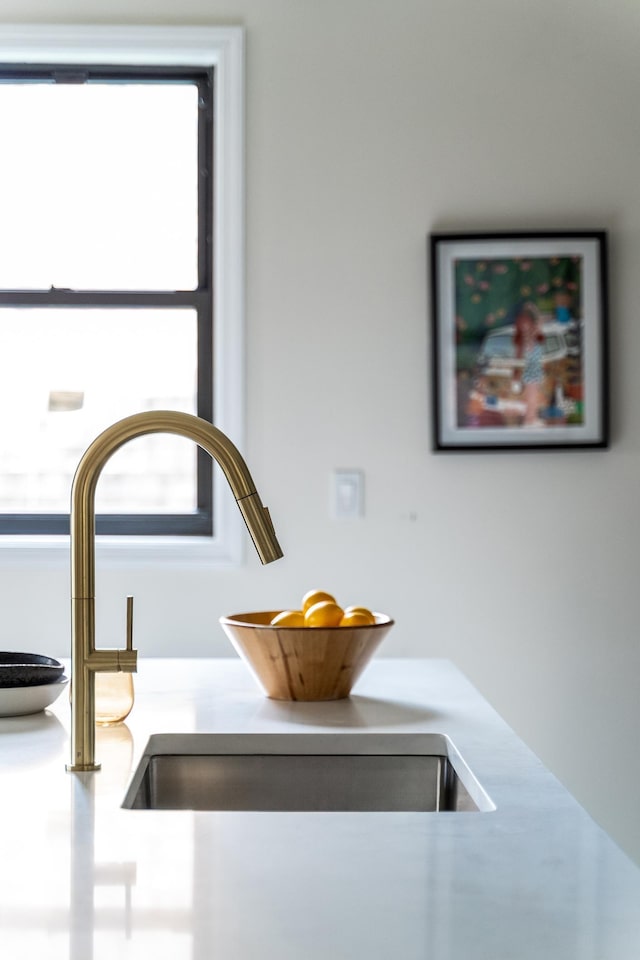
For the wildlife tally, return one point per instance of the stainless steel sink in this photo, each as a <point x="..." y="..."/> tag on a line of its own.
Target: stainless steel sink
<point x="304" y="772"/>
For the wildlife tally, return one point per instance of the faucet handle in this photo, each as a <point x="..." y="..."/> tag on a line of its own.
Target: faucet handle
<point x="129" y="623"/>
<point x="128" y="658"/>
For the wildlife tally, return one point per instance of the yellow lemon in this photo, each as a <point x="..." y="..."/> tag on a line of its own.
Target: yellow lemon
<point x="325" y="613"/>
<point x="315" y="596"/>
<point x="356" y="618"/>
<point x="288" y="618"/>
<point x="364" y="611"/>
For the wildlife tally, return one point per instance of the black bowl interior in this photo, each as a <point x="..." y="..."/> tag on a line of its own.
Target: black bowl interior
<point x="28" y="669"/>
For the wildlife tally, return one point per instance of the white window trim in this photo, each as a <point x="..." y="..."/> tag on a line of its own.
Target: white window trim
<point x="222" y="48"/>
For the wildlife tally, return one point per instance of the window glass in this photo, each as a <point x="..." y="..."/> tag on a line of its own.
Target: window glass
<point x="98" y="185"/>
<point x="66" y="375"/>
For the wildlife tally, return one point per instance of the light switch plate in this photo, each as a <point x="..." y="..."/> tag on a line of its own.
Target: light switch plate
<point x="348" y="494"/>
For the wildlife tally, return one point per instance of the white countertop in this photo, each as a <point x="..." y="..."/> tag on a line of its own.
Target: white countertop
<point x="82" y="878"/>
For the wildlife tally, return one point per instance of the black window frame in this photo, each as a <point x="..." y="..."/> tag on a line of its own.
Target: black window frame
<point x="201" y="299"/>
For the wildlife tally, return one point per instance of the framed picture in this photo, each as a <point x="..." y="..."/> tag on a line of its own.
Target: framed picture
<point x="519" y="323"/>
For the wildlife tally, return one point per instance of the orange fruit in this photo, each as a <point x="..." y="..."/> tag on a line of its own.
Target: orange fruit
<point x="288" y="618"/>
<point x="364" y="611"/>
<point x="356" y="618"/>
<point x="325" y="613"/>
<point x="315" y="596"/>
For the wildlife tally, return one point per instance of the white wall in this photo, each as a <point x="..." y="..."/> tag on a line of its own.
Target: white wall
<point x="370" y="123"/>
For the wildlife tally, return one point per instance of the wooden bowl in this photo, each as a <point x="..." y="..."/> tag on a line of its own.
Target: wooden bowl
<point x="304" y="663"/>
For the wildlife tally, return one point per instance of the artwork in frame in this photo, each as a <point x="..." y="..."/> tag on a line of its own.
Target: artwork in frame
<point x="519" y="323"/>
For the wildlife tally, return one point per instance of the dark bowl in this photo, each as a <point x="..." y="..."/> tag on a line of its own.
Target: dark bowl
<point x="28" y="669"/>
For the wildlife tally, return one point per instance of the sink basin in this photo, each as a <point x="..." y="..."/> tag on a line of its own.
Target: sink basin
<point x="305" y="773"/>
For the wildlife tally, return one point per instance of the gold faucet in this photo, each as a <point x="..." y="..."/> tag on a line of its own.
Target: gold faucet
<point x="86" y="661"/>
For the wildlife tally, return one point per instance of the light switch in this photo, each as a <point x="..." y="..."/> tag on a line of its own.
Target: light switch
<point x="348" y="494"/>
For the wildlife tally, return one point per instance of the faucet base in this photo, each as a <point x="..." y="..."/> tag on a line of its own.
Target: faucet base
<point x="81" y="767"/>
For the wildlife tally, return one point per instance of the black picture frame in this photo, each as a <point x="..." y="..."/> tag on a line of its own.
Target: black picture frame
<point x="519" y="324"/>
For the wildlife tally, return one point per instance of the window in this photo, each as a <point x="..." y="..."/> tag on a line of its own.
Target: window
<point x="115" y="282"/>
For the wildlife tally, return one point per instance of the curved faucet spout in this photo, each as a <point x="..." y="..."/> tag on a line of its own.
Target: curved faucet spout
<point x="86" y="660"/>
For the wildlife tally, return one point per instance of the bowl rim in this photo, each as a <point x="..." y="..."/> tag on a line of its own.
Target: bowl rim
<point x="236" y="620"/>
<point x="9" y="658"/>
